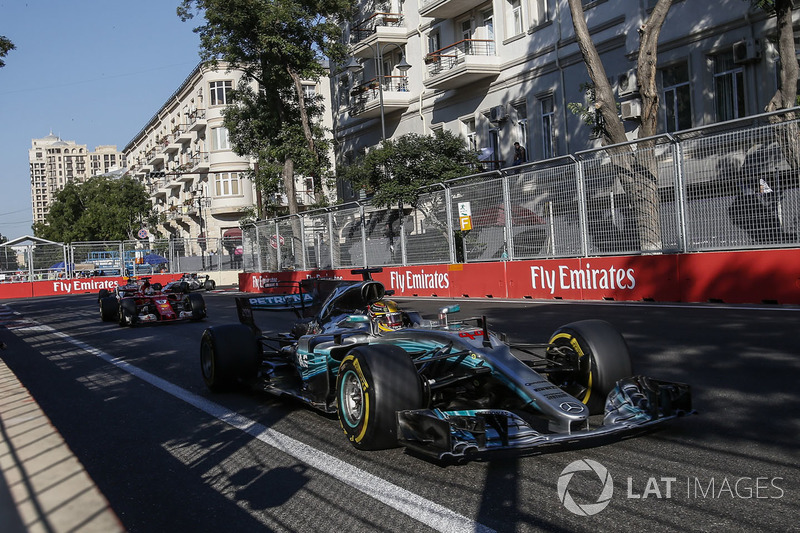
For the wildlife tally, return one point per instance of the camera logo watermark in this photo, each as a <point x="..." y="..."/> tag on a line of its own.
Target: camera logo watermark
<point x="662" y="487"/>
<point x="585" y="509"/>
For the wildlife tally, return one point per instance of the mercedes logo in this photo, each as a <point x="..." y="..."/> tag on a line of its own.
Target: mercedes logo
<point x="571" y="407"/>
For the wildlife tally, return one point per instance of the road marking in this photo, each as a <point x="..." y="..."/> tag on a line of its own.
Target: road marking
<point x="432" y="514"/>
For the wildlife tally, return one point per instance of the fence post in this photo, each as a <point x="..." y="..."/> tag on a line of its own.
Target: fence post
<point x="330" y="239"/>
<point x="302" y="241"/>
<point x="582" y="216"/>
<point x="508" y="239"/>
<point x="363" y="233"/>
<point x="403" y="251"/>
<point x="451" y="238"/>
<point x="680" y="193"/>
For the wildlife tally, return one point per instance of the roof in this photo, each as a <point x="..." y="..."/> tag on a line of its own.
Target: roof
<point x="35" y="240"/>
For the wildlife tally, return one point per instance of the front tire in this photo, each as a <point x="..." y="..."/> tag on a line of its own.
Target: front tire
<point x="374" y="383"/>
<point x="197" y="305"/>
<point x="227" y="354"/>
<point x="108" y="308"/>
<point x="127" y="312"/>
<point x="602" y="358"/>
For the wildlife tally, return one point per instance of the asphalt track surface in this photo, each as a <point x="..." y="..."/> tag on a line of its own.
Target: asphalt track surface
<point x="171" y="456"/>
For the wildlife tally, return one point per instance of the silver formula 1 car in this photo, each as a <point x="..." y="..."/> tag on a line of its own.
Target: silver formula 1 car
<point x="441" y="387"/>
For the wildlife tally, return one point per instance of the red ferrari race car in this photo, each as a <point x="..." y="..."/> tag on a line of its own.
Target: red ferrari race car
<point x="140" y="302"/>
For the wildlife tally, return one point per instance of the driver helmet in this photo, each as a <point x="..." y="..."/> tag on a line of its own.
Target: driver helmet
<point x="386" y="314"/>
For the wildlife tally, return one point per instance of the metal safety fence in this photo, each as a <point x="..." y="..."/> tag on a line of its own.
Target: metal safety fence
<point x="36" y="261"/>
<point x="729" y="186"/>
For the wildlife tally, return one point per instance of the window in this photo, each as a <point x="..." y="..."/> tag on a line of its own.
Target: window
<point x="548" y="127"/>
<point x="677" y="97"/>
<point x="226" y="184"/>
<point x="219" y="139"/>
<point x="522" y="127"/>
<point x="469" y="133"/>
<point x="541" y="12"/>
<point x="434" y="41"/>
<point x="219" y="92"/>
<point x="516" y="23"/>
<point x="728" y="87"/>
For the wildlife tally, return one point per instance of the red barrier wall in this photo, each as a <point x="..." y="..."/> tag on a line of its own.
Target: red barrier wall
<point x="760" y="276"/>
<point x="56" y="287"/>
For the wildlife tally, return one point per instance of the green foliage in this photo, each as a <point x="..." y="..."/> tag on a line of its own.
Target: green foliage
<point x="5" y="47"/>
<point x="97" y="210"/>
<point x="395" y="171"/>
<point x="276" y="43"/>
<point x="589" y="114"/>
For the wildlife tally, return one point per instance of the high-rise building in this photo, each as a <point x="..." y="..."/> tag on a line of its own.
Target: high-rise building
<point x="55" y="163"/>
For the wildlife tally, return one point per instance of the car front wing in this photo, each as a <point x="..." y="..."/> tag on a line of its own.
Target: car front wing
<point x="636" y="404"/>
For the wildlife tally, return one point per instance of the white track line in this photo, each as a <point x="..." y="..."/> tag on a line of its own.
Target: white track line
<point x="432" y="514"/>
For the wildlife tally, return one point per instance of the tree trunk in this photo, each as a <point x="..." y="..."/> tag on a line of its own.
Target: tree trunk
<point x="786" y="95"/>
<point x="309" y="135"/>
<point x="639" y="176"/>
<point x="613" y="130"/>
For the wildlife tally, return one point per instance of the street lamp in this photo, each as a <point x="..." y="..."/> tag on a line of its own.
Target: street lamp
<point x="354" y="66"/>
<point x="199" y="196"/>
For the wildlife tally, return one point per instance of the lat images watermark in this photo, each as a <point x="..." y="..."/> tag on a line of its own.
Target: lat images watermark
<point x="660" y="487"/>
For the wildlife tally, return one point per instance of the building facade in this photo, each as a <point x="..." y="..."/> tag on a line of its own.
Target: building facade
<point x="504" y="71"/>
<point x="55" y="163"/>
<point x="183" y="155"/>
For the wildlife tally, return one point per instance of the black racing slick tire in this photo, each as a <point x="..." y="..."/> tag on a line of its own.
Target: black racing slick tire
<point x="103" y="294"/>
<point x="210" y="285"/>
<point x="127" y="312"/>
<point x="197" y="305"/>
<point x="602" y="358"/>
<point x="228" y="354"/>
<point x="109" y="308"/>
<point x="374" y="383"/>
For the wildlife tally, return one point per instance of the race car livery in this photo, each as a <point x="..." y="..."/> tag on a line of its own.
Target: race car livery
<point x="140" y="302"/>
<point x="449" y="389"/>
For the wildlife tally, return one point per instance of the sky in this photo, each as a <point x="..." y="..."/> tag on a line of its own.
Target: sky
<point x="89" y="71"/>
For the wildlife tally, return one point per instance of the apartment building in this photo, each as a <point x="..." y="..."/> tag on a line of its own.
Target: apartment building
<point x="55" y="162"/>
<point x="183" y="155"/>
<point x="504" y="71"/>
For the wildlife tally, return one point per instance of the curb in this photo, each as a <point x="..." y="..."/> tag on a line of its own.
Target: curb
<point x="43" y="486"/>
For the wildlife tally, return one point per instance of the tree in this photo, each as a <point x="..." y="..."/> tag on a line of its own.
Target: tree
<point x="397" y="170"/>
<point x="5" y="47"/>
<point x="100" y="209"/>
<point x="278" y="44"/>
<point x="786" y="95"/>
<point x="639" y="178"/>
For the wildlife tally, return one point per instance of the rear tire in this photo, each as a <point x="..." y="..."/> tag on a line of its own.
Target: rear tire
<point x="228" y="354"/>
<point x="374" y="383"/>
<point x="603" y="359"/>
<point x="210" y="285"/>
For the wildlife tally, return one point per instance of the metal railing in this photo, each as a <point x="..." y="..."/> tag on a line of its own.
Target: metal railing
<point x="363" y="29"/>
<point x="453" y="55"/>
<point x="729" y="186"/>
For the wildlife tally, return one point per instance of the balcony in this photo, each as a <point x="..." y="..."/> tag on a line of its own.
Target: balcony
<point x="155" y="155"/>
<point x="378" y="28"/>
<point x="447" y="9"/>
<point x="365" y="99"/>
<point x="196" y="120"/>
<point x="461" y="64"/>
<point x="199" y="162"/>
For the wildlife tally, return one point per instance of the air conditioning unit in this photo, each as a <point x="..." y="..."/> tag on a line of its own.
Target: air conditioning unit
<point x="626" y="83"/>
<point x="632" y="109"/>
<point x="746" y="51"/>
<point x="498" y="113"/>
